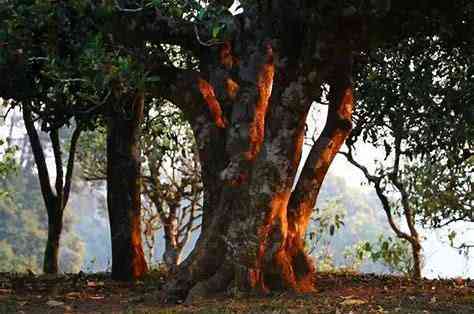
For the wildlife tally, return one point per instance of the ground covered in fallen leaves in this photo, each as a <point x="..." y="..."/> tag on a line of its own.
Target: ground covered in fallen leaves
<point x="337" y="293"/>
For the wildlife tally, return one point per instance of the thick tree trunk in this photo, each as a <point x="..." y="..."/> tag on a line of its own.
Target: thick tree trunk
<point x="51" y="254"/>
<point x="123" y="192"/>
<point x="250" y="137"/>
<point x="256" y="239"/>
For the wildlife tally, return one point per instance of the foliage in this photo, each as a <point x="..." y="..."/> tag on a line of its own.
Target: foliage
<point x="324" y="225"/>
<point x="71" y="62"/>
<point x="23" y="223"/>
<point x="392" y="252"/>
<point x="442" y="192"/>
<point x="171" y="183"/>
<point x="355" y="217"/>
<point x="8" y="163"/>
<point x="414" y="105"/>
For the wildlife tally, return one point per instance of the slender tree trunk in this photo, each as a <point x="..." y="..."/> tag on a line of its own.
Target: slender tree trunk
<point x="416" y="249"/>
<point x="172" y="251"/>
<point x="171" y="255"/>
<point x="51" y="255"/>
<point x="123" y="192"/>
<point x="412" y="237"/>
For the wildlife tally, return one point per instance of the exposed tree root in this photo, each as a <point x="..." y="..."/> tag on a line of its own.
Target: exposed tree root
<point x="218" y="282"/>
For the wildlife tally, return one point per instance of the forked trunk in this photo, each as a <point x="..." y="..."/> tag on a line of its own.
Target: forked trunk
<point x="123" y="192"/>
<point x="54" y="202"/>
<point x="248" y="112"/>
<point x="255" y="241"/>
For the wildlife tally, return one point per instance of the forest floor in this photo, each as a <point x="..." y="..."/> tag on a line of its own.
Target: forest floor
<point x="337" y="293"/>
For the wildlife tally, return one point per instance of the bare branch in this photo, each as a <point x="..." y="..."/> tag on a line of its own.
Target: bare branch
<point x="378" y="189"/>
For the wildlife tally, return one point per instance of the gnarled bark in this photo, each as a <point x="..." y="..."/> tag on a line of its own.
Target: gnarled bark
<point x="248" y="110"/>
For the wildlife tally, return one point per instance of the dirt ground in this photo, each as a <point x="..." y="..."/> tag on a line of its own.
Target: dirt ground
<point x="337" y="293"/>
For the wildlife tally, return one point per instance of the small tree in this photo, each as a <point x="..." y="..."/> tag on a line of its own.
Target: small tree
<point x="385" y="183"/>
<point x="54" y="200"/>
<point x="411" y="104"/>
<point x="170" y="179"/>
<point x="171" y="183"/>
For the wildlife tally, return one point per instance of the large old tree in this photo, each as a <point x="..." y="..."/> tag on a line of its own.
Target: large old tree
<point x="258" y="73"/>
<point x="255" y="76"/>
<point x="247" y="104"/>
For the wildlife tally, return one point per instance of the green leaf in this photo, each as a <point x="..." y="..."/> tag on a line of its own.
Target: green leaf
<point x="215" y="31"/>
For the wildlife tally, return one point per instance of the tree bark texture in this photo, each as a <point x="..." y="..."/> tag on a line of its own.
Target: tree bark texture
<point x="123" y="190"/>
<point x="247" y="106"/>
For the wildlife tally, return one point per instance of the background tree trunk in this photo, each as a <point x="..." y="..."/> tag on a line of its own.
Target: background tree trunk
<point x="123" y="191"/>
<point x="417" y="259"/>
<point x="55" y="202"/>
<point x="172" y="251"/>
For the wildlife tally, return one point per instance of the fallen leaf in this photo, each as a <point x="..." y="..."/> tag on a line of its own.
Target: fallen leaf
<point x="96" y="297"/>
<point x="353" y="302"/>
<point x="347" y="297"/>
<point x="54" y="303"/>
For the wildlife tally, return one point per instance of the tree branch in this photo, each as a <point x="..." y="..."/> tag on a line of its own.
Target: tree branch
<point x="181" y="87"/>
<point x="337" y="128"/>
<point x="38" y="154"/>
<point x="58" y="161"/>
<point x="407" y="211"/>
<point x="70" y="163"/>
<point x="378" y="189"/>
